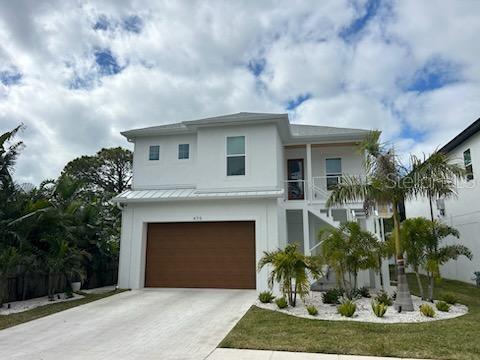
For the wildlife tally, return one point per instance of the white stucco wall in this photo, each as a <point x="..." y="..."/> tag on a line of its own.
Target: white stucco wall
<point x="261" y="157"/>
<point x="461" y="212"/>
<point x="206" y="167"/>
<point x="168" y="171"/>
<point x="351" y="159"/>
<point x="136" y="217"/>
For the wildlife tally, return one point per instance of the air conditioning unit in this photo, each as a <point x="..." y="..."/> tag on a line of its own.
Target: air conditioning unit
<point x="441" y="206"/>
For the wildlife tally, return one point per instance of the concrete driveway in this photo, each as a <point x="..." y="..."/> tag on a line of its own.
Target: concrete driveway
<point x="145" y="324"/>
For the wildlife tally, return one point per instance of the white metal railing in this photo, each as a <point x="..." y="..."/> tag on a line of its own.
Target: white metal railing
<point x="317" y="190"/>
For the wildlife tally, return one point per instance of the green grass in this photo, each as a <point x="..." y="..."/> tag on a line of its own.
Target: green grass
<point x="445" y="339"/>
<point x="7" y="321"/>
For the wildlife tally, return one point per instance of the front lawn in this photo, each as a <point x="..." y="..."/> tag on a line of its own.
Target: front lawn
<point x="444" y="339"/>
<point x="7" y="321"/>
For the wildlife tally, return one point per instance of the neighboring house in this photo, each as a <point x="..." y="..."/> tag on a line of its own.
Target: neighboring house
<point x="462" y="211"/>
<point x="210" y="196"/>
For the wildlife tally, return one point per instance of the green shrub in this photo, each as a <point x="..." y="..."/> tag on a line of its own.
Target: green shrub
<point x="383" y="298"/>
<point x="312" y="310"/>
<point x="281" y="303"/>
<point x="364" y="292"/>
<point x="427" y="310"/>
<point x="442" y="306"/>
<point x="449" y="298"/>
<point x="379" y="309"/>
<point x="347" y="308"/>
<point x="332" y="296"/>
<point x="266" y="297"/>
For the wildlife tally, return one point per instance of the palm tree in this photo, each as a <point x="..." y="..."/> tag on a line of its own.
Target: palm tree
<point x="8" y="156"/>
<point x="65" y="259"/>
<point x="290" y="269"/>
<point x="436" y="255"/>
<point x="349" y="249"/>
<point x="388" y="182"/>
<point x="413" y="235"/>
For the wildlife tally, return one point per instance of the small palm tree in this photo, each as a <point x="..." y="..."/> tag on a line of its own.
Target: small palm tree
<point x="62" y="258"/>
<point x="437" y="255"/>
<point x="290" y="269"/>
<point x="349" y="249"/>
<point x="388" y="182"/>
<point x="414" y="234"/>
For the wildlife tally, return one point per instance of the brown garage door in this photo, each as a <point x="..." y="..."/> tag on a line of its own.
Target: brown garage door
<point x="201" y="255"/>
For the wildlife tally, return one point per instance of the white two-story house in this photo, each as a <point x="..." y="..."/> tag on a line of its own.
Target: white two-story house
<point x="209" y="196"/>
<point x="461" y="211"/>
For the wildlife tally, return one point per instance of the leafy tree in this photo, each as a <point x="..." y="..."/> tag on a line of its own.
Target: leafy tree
<point x="290" y="269"/>
<point x="349" y="249"/>
<point x="388" y="182"/>
<point x="109" y="170"/>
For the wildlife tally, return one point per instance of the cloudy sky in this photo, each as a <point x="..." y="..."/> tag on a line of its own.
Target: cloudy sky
<point x="76" y="73"/>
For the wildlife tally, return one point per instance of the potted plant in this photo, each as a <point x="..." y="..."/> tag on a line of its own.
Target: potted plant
<point x="76" y="285"/>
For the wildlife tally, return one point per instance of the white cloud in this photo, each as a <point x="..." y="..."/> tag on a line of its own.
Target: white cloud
<point x="190" y="60"/>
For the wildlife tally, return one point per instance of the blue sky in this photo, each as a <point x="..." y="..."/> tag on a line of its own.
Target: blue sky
<point x="79" y="73"/>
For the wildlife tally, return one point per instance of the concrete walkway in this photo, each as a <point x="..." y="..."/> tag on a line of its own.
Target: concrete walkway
<point x="166" y="324"/>
<point x="239" y="354"/>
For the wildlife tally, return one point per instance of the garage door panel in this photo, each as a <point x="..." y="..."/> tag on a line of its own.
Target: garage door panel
<point x="207" y="254"/>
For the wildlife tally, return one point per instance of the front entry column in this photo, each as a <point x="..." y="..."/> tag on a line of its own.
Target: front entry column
<point x="306" y="233"/>
<point x="309" y="177"/>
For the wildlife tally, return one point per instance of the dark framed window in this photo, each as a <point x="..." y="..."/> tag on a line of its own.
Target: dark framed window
<point x="467" y="160"/>
<point x="333" y="170"/>
<point x="154" y="152"/>
<point x="183" y="151"/>
<point x="235" y="155"/>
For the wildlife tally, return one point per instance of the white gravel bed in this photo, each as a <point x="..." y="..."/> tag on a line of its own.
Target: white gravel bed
<point x="364" y="311"/>
<point x="19" y="306"/>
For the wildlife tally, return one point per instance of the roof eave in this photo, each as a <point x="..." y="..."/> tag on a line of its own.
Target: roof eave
<point x="466" y="134"/>
<point x="332" y="138"/>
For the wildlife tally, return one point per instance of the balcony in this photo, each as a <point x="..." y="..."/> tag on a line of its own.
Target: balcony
<point x="313" y="170"/>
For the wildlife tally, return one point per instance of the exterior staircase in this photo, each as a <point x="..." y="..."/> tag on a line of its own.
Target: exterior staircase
<point x="327" y="282"/>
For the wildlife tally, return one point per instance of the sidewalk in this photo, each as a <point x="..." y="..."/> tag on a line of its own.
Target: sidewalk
<point x="240" y="354"/>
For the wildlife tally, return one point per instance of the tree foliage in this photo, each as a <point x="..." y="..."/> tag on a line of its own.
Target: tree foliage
<point x="65" y="228"/>
<point x="109" y="170"/>
<point x="388" y="182"/>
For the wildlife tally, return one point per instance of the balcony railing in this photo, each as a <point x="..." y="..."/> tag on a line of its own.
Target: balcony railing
<point x="318" y="190"/>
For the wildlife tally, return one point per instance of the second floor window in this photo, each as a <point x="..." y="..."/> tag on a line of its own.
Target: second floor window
<point x="467" y="160"/>
<point x="235" y="155"/>
<point x="154" y="152"/>
<point x="333" y="170"/>
<point x="183" y="151"/>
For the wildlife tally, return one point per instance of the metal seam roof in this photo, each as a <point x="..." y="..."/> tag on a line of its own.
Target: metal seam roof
<point x="175" y="194"/>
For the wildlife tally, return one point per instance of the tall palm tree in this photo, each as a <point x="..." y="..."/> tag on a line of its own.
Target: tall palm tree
<point x="290" y="269"/>
<point x="388" y="182"/>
